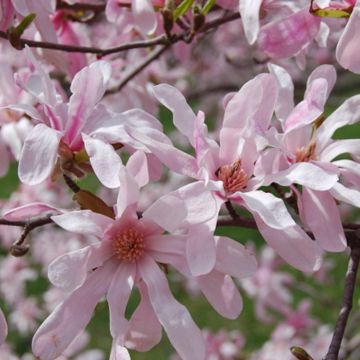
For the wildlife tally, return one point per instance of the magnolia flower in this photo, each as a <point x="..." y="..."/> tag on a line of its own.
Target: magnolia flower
<point x="306" y="139"/>
<point x="69" y="134"/>
<point x="228" y="170"/>
<point x="127" y="254"/>
<point x="125" y="257"/>
<point x="59" y="124"/>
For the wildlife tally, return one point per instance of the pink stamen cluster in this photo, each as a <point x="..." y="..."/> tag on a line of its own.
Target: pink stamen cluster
<point x="233" y="177"/>
<point x="306" y="153"/>
<point x="129" y="245"/>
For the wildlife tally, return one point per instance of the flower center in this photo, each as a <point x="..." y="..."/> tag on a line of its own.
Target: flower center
<point x="306" y="153"/>
<point x="129" y="245"/>
<point x="233" y="177"/>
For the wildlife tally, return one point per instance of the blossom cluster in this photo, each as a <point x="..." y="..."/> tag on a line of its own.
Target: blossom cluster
<point x="270" y="162"/>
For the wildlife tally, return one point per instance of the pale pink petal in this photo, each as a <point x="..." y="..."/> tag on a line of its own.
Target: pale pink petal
<point x="137" y="166"/>
<point x="244" y="117"/>
<point x="3" y="328"/>
<point x="285" y="100"/>
<point x="183" y="116"/>
<point x="144" y="15"/>
<point x="308" y="110"/>
<point x="305" y="174"/>
<point x="338" y="147"/>
<point x="200" y="250"/>
<point x="327" y="72"/>
<point x="222" y="294"/>
<point x="250" y="13"/>
<point x="347" y="53"/>
<point x="45" y="88"/>
<point x="201" y="204"/>
<point x="322" y="216"/>
<point x="13" y="135"/>
<point x="28" y="211"/>
<point x="138" y="117"/>
<point x="160" y="145"/>
<point x="118" y="295"/>
<point x="287" y="36"/>
<point x="323" y="35"/>
<point x="129" y="191"/>
<point x="84" y="222"/>
<point x="348" y="168"/>
<point x="181" y="330"/>
<point x="348" y="113"/>
<point x="119" y="352"/>
<point x="322" y="4"/>
<point x="172" y="244"/>
<point x="70" y="270"/>
<point x="87" y="87"/>
<point x="38" y="155"/>
<point x="144" y="327"/>
<point x="269" y="208"/>
<point x="345" y="194"/>
<point x="104" y="160"/>
<point x="169" y="212"/>
<point x="293" y="245"/>
<point x="70" y="317"/>
<point x="234" y="258"/>
<point x="24" y="108"/>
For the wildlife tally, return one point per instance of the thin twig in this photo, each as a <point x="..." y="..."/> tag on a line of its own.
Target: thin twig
<point x="19" y="248"/>
<point x="82" y="6"/>
<point x="232" y="212"/>
<point x="241" y="222"/>
<point x="350" y="279"/>
<point x="160" y="40"/>
<point x="147" y="61"/>
<point x="89" y="49"/>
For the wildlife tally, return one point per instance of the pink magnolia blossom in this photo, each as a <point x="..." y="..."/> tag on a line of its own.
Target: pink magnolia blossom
<point x="126" y="255"/>
<point x="59" y="124"/>
<point x="227" y="170"/>
<point x="305" y="141"/>
<point x="112" y="264"/>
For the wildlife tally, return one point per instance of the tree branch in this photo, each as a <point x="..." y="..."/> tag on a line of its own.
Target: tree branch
<point x="350" y="279"/>
<point x="19" y="248"/>
<point x="137" y="69"/>
<point x="88" y="49"/>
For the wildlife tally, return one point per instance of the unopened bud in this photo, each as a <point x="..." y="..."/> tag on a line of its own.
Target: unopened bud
<point x="300" y="353"/>
<point x="15" y="33"/>
<point x="168" y="19"/>
<point x="19" y="250"/>
<point x="199" y="19"/>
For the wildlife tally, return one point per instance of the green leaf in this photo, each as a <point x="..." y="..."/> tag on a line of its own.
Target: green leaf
<point x="208" y="6"/>
<point x="25" y="23"/>
<point x="300" y="353"/>
<point x="331" y="13"/>
<point x="182" y="8"/>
